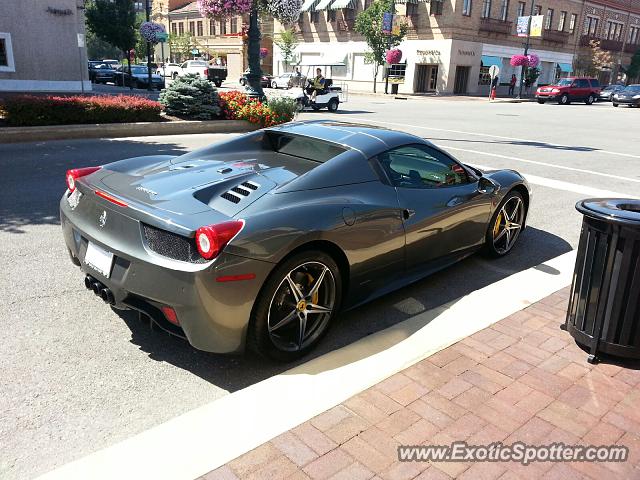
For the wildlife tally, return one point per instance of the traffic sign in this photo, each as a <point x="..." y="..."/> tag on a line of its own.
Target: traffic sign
<point x="195" y="51"/>
<point x="162" y="37"/>
<point x="494" y="71"/>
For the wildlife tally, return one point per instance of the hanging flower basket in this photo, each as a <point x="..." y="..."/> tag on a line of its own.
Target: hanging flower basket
<point x="264" y="52"/>
<point x="150" y="31"/>
<point x="394" y="56"/>
<point x="533" y="60"/>
<point x="285" y="11"/>
<point x="519" y="61"/>
<point x="223" y="8"/>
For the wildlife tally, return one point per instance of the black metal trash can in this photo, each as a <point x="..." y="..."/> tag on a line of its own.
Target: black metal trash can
<point x="604" y="306"/>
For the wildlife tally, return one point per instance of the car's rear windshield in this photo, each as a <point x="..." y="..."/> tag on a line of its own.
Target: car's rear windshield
<point x="303" y="147"/>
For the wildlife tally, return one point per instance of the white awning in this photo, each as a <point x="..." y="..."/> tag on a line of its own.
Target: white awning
<point x="307" y="5"/>
<point x="322" y="5"/>
<point x="343" y="4"/>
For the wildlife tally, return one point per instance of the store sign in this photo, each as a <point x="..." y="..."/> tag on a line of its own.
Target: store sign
<point x="522" y="27"/>
<point x="466" y="53"/>
<point x="428" y="56"/>
<point x="536" y="25"/>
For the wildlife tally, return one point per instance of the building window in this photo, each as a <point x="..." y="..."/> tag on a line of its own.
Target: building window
<point x="192" y="28"/>
<point x="466" y="7"/>
<point x="436" y="7"/>
<point x="549" y="19"/>
<point x="563" y="20"/>
<point x="6" y="53"/>
<point x="181" y="28"/>
<point x="174" y="28"/>
<point x="591" y="26"/>
<point x="537" y="10"/>
<point x="634" y="35"/>
<point x="486" y="8"/>
<point x="572" y="22"/>
<point x="200" y="29"/>
<point x="614" y="31"/>
<point x="223" y="27"/>
<point x="504" y="10"/>
<point x="521" y="8"/>
<point x="234" y="24"/>
<point x="212" y="27"/>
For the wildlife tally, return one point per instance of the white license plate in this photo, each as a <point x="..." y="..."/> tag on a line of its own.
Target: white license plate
<point x="74" y="199"/>
<point x="99" y="259"/>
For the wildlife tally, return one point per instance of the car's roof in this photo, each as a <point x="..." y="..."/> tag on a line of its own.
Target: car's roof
<point x="368" y="139"/>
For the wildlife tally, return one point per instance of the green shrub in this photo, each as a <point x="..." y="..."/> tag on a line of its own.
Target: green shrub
<point x="191" y="97"/>
<point x="284" y="109"/>
<point x="51" y="110"/>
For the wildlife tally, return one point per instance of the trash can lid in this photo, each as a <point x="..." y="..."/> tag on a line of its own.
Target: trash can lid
<point x="616" y="210"/>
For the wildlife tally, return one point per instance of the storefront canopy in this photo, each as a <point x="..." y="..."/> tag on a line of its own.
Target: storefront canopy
<point x="343" y="4"/>
<point x="322" y="5"/>
<point x="488" y="61"/>
<point x="565" y="67"/>
<point x="307" y="5"/>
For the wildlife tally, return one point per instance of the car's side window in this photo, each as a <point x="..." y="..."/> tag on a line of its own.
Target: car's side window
<point x="419" y="166"/>
<point x="583" y="83"/>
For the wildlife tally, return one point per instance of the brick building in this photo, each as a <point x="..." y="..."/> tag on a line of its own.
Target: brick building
<point x="215" y="40"/>
<point x="451" y="44"/>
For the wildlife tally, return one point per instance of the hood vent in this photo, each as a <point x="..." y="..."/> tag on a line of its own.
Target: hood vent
<point x="238" y="192"/>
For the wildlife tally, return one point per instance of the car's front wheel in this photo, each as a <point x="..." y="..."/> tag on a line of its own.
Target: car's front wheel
<point x="564" y="99"/>
<point x="540" y="101"/>
<point x="615" y="104"/>
<point x="274" y="85"/>
<point x="333" y="105"/>
<point x="295" y="306"/>
<point x="505" y="226"/>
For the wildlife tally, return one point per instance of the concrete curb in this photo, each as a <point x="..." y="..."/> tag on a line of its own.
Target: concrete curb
<point x="114" y="130"/>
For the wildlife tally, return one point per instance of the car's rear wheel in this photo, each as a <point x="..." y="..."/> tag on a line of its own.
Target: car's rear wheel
<point x="505" y="226"/>
<point x="333" y="105"/>
<point x="615" y="104"/>
<point x="274" y="85"/>
<point x="590" y="99"/>
<point x="295" y="306"/>
<point x="564" y="99"/>
<point x="242" y="81"/>
<point x="540" y="101"/>
<point x="217" y="83"/>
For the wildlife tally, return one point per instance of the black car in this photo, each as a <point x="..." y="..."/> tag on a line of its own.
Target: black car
<point x="606" y="94"/>
<point x="101" y="73"/>
<point x="139" y="77"/>
<point x="265" y="80"/>
<point x="629" y="96"/>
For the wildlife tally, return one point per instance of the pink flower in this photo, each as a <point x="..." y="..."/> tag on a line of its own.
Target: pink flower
<point x="394" y="56"/>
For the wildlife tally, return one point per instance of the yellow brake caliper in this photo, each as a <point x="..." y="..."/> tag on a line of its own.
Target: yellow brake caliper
<point x="314" y="298"/>
<point x="496" y="227"/>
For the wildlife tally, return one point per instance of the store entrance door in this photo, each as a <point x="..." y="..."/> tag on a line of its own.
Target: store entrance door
<point x="426" y="78"/>
<point x="461" y="80"/>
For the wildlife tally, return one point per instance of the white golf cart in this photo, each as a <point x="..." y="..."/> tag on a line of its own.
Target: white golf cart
<point x="330" y="97"/>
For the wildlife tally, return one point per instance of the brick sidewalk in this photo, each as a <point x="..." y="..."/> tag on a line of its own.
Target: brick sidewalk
<point x="523" y="379"/>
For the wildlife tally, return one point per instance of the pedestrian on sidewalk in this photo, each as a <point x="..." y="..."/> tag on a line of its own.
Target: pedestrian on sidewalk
<point x="512" y="84"/>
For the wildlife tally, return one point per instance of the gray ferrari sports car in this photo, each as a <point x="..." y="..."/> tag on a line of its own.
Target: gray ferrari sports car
<point x="261" y="240"/>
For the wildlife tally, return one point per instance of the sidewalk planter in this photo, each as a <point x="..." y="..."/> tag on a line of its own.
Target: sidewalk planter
<point x="604" y="306"/>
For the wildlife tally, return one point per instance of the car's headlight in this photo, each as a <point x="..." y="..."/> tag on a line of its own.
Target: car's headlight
<point x="615" y="95"/>
<point x="636" y="97"/>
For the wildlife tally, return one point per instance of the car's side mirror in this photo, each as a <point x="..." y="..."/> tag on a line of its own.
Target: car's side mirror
<point x="487" y="186"/>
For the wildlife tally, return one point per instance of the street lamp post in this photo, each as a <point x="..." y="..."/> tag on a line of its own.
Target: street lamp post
<point x="526" y="50"/>
<point x="254" y="76"/>
<point x="148" y="13"/>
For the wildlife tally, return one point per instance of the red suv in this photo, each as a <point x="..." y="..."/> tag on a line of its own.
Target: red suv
<point x="569" y="89"/>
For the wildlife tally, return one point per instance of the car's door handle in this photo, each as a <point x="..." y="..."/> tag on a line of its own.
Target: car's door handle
<point x="407" y="214"/>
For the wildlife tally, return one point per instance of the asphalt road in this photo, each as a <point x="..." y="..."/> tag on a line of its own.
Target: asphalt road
<point x="75" y="376"/>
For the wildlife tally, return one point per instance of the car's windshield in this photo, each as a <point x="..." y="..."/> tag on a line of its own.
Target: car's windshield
<point x="197" y="64"/>
<point x="632" y="89"/>
<point x="565" y="82"/>
<point x="138" y="70"/>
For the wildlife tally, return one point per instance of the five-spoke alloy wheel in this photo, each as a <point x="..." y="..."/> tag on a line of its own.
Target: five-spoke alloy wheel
<point x="506" y="225"/>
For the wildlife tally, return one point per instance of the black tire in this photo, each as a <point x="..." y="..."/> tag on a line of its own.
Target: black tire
<point x="242" y="82"/>
<point x="270" y="345"/>
<point x="315" y="107"/>
<point x="274" y="85"/>
<point x="490" y="248"/>
<point x="217" y="83"/>
<point x="564" y="99"/>
<point x="175" y="75"/>
<point x="590" y="99"/>
<point x="615" y="104"/>
<point x="333" y="105"/>
<point x="540" y="101"/>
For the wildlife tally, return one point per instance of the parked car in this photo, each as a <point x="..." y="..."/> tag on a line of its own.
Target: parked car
<point x="570" y="89"/>
<point x="629" y="96"/>
<point x="101" y="72"/>
<point x="112" y="63"/>
<point x="194" y="67"/>
<point x="139" y="77"/>
<point x="261" y="240"/>
<point x="167" y="69"/>
<point x="606" y="94"/>
<point x="285" y="80"/>
<point x="217" y="74"/>
<point x="265" y="80"/>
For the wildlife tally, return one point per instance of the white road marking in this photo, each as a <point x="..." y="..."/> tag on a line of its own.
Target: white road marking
<point x="214" y="434"/>
<point x="534" y="162"/>
<point x="488" y="135"/>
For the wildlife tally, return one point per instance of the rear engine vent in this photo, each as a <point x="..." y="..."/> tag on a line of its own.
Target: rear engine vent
<point x="251" y="185"/>
<point x="231" y="197"/>
<point x="242" y="191"/>
<point x="172" y="245"/>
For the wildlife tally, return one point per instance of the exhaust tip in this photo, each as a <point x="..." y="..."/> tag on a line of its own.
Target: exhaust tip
<point x="87" y="282"/>
<point x="107" y="296"/>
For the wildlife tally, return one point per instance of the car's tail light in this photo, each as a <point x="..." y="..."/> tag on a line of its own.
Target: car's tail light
<point x="211" y="239"/>
<point x="76" y="173"/>
<point x="206" y="72"/>
<point x="170" y="314"/>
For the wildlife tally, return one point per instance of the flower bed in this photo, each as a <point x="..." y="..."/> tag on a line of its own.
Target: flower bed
<point x="237" y="106"/>
<point x="27" y="110"/>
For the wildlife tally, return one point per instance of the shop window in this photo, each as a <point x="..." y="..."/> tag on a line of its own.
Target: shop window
<point x="466" y="7"/>
<point x="485" y="76"/>
<point x="436" y="7"/>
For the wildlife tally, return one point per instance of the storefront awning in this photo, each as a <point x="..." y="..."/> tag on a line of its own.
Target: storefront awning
<point x="488" y="61"/>
<point x="565" y="67"/>
<point x="322" y="5"/>
<point x="307" y="5"/>
<point x="343" y="4"/>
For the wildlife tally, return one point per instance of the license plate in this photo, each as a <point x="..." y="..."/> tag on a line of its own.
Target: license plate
<point x="74" y="199"/>
<point x="99" y="259"/>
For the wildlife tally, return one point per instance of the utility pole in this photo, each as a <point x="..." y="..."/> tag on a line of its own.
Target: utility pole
<point x="386" y="64"/>
<point x="526" y="49"/>
<point x="148" y="12"/>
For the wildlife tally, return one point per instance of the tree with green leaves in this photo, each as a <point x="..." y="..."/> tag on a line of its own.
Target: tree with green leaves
<point x="97" y="49"/>
<point x="633" y="70"/>
<point x="287" y="42"/>
<point x="369" y="25"/>
<point x="181" y="46"/>
<point x="114" y="22"/>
